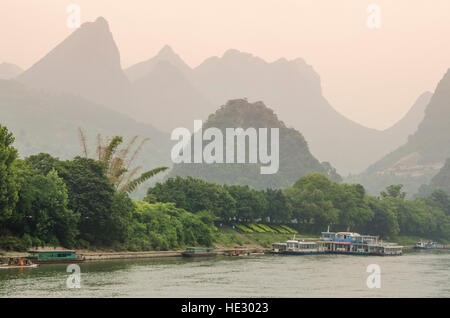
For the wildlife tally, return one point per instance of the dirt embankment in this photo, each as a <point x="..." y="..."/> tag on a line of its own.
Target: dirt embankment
<point x="100" y="255"/>
<point x="251" y="246"/>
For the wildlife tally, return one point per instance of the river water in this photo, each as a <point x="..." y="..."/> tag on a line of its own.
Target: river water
<point x="415" y="274"/>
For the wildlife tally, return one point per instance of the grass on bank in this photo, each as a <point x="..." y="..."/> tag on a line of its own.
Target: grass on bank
<point x="227" y="237"/>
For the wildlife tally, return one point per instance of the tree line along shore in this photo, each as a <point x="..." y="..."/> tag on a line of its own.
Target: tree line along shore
<point x="84" y="203"/>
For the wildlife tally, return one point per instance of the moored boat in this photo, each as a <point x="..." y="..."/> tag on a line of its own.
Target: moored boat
<point x="357" y="244"/>
<point x="236" y="252"/>
<point x="339" y="243"/>
<point x="199" y="252"/>
<point x="17" y="262"/>
<point x="3" y="266"/>
<point x="297" y="247"/>
<point x="421" y="245"/>
<point x="54" y="257"/>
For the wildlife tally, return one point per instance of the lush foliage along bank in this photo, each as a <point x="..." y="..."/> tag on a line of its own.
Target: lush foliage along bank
<point x="74" y="203"/>
<point x="313" y="203"/>
<point x="78" y="203"/>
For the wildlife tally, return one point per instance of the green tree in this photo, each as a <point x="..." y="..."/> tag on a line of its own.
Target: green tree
<point x="250" y="204"/>
<point x="42" y="162"/>
<point x="119" y="161"/>
<point x="91" y="194"/>
<point x="441" y="200"/>
<point x="312" y="203"/>
<point x="8" y="186"/>
<point x="308" y="204"/>
<point x="277" y="207"/>
<point x="418" y="218"/>
<point x="42" y="210"/>
<point x="384" y="222"/>
<point x="393" y="191"/>
<point x="163" y="226"/>
<point x="119" y="220"/>
<point x="349" y="199"/>
<point x="294" y="202"/>
<point x="53" y="218"/>
<point x="194" y="195"/>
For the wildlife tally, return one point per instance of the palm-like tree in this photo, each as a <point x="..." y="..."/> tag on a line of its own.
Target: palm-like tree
<point x="118" y="162"/>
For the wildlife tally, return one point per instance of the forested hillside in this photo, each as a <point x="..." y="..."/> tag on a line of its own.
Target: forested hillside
<point x="295" y="159"/>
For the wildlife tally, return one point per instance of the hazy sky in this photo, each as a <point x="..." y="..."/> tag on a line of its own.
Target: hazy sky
<point x="372" y="76"/>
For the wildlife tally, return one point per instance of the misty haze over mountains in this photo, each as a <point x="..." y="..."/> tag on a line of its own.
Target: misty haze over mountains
<point x="164" y="93"/>
<point x="43" y="122"/>
<point x="87" y="63"/>
<point x="292" y="88"/>
<point x="9" y="71"/>
<point x="415" y="162"/>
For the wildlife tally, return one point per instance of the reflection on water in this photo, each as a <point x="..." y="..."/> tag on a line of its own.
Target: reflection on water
<point x="415" y="274"/>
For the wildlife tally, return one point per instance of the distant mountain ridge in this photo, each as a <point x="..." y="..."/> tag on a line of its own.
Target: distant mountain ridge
<point x="294" y="90"/>
<point x="166" y="54"/>
<point x="86" y="63"/>
<point x="167" y="99"/>
<point x="423" y="155"/>
<point x="410" y="122"/>
<point x="432" y="139"/>
<point x="166" y="93"/>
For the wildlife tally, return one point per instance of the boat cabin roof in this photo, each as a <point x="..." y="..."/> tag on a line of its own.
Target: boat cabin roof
<point x="348" y="233"/>
<point x="300" y="242"/>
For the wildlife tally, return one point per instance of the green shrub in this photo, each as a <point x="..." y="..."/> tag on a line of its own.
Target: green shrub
<point x="82" y="244"/>
<point x="26" y="241"/>
<point x="267" y="228"/>
<point x="280" y="229"/>
<point x="133" y="247"/>
<point x="243" y="228"/>
<point x="290" y="230"/>
<point x="11" y="243"/>
<point x="256" y="228"/>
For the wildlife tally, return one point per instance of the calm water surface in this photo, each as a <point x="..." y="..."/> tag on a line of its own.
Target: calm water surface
<point x="415" y="274"/>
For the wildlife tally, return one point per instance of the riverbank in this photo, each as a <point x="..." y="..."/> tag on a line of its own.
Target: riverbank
<point x="99" y="255"/>
<point x="227" y="239"/>
<point x="156" y="254"/>
<point x="103" y="255"/>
